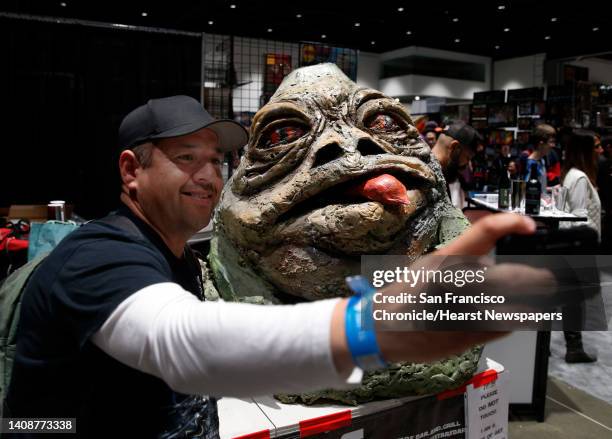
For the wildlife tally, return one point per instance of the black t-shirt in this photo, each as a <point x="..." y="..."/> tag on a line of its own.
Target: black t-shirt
<point x="58" y="372"/>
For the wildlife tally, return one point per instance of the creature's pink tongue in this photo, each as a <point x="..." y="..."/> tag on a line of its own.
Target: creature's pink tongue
<point x="385" y="189"/>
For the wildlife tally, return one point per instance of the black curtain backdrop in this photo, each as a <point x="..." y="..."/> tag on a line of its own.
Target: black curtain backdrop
<point x="63" y="92"/>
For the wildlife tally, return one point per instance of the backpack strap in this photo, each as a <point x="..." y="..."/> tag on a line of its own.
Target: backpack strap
<point x="11" y="293"/>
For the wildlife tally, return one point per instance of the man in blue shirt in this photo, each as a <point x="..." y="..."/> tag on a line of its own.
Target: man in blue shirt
<point x="543" y="139"/>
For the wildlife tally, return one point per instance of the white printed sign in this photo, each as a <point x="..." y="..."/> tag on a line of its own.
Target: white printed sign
<point x="486" y="410"/>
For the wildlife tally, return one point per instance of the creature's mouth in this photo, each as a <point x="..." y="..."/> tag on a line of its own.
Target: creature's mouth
<point x="343" y="193"/>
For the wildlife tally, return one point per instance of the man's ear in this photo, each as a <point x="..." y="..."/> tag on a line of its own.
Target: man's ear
<point x="454" y="147"/>
<point x="128" y="167"/>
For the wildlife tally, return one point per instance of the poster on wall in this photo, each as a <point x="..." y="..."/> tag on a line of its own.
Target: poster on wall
<point x="522" y="137"/>
<point x="345" y="59"/>
<point x="451" y="113"/>
<point x="500" y="137"/>
<point x="276" y="67"/>
<point x="502" y="115"/>
<point x="478" y="116"/>
<point x="525" y="123"/>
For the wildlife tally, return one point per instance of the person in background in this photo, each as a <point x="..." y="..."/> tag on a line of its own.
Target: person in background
<point x="454" y="149"/>
<point x="522" y="161"/>
<point x="543" y="139"/>
<point x="553" y="167"/>
<point x="430" y="133"/>
<point x="604" y="185"/>
<point x="599" y="149"/>
<point x="579" y="175"/>
<point x="501" y="161"/>
<point x="513" y="170"/>
<point x="602" y="161"/>
<point x="479" y="168"/>
<point x="564" y="134"/>
<point x="606" y="143"/>
<point x="431" y="138"/>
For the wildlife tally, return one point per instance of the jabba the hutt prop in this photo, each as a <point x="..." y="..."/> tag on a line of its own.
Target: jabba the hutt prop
<point x="316" y="189"/>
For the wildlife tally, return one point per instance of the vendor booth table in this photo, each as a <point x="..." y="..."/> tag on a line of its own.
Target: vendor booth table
<point x="478" y="409"/>
<point x="551" y="217"/>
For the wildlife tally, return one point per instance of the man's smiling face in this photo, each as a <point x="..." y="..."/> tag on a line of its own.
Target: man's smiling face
<point x="181" y="186"/>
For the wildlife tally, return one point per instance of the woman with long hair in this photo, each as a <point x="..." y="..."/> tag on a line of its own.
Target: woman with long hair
<point x="579" y="176"/>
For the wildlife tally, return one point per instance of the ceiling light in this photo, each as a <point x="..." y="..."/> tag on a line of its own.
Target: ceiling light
<point x="233" y="6"/>
<point x="455" y="20"/>
<point x="298" y="16"/>
<point x="457" y="40"/>
<point x="372" y="42"/>
<point x="409" y="32"/>
<point x="400" y="9"/>
<point x="323" y="36"/>
<point x="497" y="47"/>
<point x="211" y="22"/>
<point x="554" y="19"/>
<point x="269" y="29"/>
<point x="547" y="37"/>
<point x="357" y="24"/>
<point x="417" y="98"/>
<point x="507" y="29"/>
<point x="595" y="29"/>
<point x="144" y="14"/>
<point x="63" y="4"/>
<point x="501" y="7"/>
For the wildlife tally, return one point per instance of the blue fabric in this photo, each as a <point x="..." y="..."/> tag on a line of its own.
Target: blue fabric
<point x="44" y="237"/>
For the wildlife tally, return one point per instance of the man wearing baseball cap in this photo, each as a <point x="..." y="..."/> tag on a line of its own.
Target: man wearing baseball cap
<point x="455" y="147"/>
<point x="114" y="332"/>
<point x="68" y="364"/>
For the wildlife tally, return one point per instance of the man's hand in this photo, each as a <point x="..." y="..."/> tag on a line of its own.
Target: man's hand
<point x="481" y="237"/>
<point x="434" y="345"/>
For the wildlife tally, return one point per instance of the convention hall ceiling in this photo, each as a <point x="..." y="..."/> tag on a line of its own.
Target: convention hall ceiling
<point x="495" y="28"/>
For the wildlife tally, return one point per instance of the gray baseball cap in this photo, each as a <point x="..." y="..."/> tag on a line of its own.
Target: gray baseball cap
<point x="177" y="116"/>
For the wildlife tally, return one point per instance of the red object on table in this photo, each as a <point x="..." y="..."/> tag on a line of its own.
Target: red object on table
<point x="10" y="243"/>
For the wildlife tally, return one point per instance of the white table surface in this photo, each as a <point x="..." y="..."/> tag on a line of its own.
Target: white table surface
<point x="489" y="201"/>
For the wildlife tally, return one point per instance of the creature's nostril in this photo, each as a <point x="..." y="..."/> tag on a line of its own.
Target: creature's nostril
<point x="327" y="154"/>
<point x="369" y="147"/>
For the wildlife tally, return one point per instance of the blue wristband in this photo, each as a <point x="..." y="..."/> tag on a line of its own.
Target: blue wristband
<point x="359" y="326"/>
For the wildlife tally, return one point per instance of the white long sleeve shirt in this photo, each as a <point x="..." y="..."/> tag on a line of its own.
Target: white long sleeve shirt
<point x="223" y="349"/>
<point x="582" y="200"/>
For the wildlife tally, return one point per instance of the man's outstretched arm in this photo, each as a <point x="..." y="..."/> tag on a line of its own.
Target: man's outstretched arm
<point x="233" y="349"/>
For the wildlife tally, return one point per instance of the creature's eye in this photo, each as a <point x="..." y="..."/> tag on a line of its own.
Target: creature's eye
<point x="383" y="122"/>
<point x="281" y="135"/>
